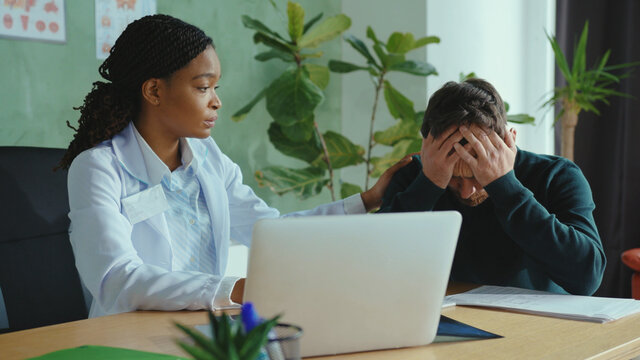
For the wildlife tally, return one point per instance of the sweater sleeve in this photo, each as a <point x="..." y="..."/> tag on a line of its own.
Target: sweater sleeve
<point x="562" y="238"/>
<point x="410" y="190"/>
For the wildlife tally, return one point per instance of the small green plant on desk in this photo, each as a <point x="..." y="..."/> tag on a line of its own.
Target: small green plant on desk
<point x="230" y="341"/>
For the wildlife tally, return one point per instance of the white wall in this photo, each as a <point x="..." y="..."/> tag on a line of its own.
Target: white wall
<point x="504" y="42"/>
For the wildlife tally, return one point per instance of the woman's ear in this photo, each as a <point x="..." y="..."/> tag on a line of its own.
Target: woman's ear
<point x="150" y="91"/>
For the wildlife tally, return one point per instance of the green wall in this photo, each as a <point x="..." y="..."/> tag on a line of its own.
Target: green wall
<point x="42" y="82"/>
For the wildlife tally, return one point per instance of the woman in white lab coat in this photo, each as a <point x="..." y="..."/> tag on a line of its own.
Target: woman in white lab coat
<point x="153" y="200"/>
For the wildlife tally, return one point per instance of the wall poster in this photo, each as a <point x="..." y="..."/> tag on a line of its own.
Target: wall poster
<point x="41" y="20"/>
<point x="113" y="16"/>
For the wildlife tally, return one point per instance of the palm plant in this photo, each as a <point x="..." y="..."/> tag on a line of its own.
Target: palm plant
<point x="584" y="87"/>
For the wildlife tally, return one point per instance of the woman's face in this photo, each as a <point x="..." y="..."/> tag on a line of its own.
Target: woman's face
<point x="188" y="103"/>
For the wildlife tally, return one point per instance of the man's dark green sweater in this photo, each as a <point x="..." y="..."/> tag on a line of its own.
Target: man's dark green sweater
<point x="535" y="231"/>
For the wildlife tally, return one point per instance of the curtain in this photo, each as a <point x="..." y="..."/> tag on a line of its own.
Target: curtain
<point x="607" y="146"/>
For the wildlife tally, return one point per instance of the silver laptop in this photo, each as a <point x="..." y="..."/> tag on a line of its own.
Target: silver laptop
<point x="354" y="282"/>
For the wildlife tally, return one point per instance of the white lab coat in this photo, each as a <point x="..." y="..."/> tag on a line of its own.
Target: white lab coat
<point x="127" y="265"/>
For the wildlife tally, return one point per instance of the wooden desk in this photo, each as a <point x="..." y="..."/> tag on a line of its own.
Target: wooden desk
<point x="525" y="337"/>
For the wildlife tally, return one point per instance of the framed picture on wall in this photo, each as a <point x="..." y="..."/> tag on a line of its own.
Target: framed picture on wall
<point x="113" y="16"/>
<point x="34" y="20"/>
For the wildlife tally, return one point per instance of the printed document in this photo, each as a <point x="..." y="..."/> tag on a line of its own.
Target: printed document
<point x="575" y="307"/>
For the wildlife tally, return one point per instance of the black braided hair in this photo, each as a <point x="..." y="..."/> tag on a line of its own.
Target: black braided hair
<point x="154" y="46"/>
<point x="473" y="101"/>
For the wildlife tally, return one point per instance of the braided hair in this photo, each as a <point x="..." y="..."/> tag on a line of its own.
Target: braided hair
<point x="154" y="46"/>
<point x="473" y="101"/>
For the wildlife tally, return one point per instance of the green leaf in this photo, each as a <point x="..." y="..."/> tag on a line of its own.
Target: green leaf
<point x="307" y="150"/>
<point x="382" y="54"/>
<point x="304" y="183"/>
<point x="258" y="26"/>
<point x="425" y="41"/>
<point x="292" y="97"/>
<point x="198" y="353"/>
<point x="316" y="54"/>
<point x="272" y="42"/>
<point x="403" y="129"/>
<point x="561" y="61"/>
<point x="301" y="131"/>
<point x="242" y="113"/>
<point x="462" y="77"/>
<point x="580" y="53"/>
<point x="399" y="105"/>
<point x="309" y="24"/>
<point x="199" y="339"/>
<point x="348" y="189"/>
<point x="318" y="74"/>
<point x="325" y="31"/>
<point x="414" y="67"/>
<point x="402" y="148"/>
<point x="371" y="35"/>
<point x="274" y="53"/>
<point x="256" y="339"/>
<point x="342" y="151"/>
<point x="400" y="43"/>
<point x="296" y="20"/>
<point x="521" y="119"/>
<point x="344" y="67"/>
<point x="360" y="47"/>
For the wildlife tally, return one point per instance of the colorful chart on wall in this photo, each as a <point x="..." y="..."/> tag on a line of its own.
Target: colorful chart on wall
<point x="32" y="19"/>
<point x="113" y="16"/>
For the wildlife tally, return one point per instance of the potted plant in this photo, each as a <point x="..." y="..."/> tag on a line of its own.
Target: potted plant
<point x="584" y="87"/>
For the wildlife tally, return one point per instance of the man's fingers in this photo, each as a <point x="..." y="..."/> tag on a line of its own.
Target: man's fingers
<point x="510" y="139"/>
<point x="474" y="142"/>
<point x="442" y="138"/>
<point x="465" y="155"/>
<point x="497" y="141"/>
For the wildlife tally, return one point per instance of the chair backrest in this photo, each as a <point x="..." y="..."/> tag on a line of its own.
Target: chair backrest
<point x="38" y="277"/>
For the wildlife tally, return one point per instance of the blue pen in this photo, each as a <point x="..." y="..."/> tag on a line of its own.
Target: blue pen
<point x="250" y="320"/>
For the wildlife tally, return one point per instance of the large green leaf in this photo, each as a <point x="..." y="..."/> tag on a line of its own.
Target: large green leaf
<point x="382" y="54"/>
<point x="242" y="113"/>
<point x="425" y="41"/>
<point x="360" y="47"/>
<point x="310" y="23"/>
<point x="521" y="119"/>
<point x="348" y="189"/>
<point x="296" y="20"/>
<point x="400" y="43"/>
<point x="344" y="67"/>
<point x="292" y="97"/>
<point x="403" y="129"/>
<point x="258" y="26"/>
<point x="402" y="148"/>
<point x="272" y="42"/>
<point x="275" y="53"/>
<point x="307" y="150"/>
<point x="414" y="67"/>
<point x="342" y="151"/>
<point x="318" y="74"/>
<point x="301" y="131"/>
<point x="304" y="183"/>
<point x="399" y="105"/>
<point x="325" y="31"/>
<point x="372" y="35"/>
<point x="580" y="53"/>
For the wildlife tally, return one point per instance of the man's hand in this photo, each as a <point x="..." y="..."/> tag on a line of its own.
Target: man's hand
<point x="494" y="157"/>
<point x="372" y="198"/>
<point x="438" y="156"/>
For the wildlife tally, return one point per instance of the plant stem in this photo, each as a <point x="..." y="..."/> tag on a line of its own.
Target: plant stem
<point x="569" y="121"/>
<point x="373" y="118"/>
<point x="326" y="159"/>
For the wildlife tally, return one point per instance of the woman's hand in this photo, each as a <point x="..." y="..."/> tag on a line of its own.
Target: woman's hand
<point x="238" y="291"/>
<point x="372" y="198"/>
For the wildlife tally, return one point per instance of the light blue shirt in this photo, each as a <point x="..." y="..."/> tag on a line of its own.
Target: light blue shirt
<point x="120" y="215"/>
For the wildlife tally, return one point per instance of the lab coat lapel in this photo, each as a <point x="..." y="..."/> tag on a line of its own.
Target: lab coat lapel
<point x="127" y="150"/>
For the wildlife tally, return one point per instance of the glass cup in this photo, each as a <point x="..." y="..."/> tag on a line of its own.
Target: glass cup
<point x="285" y="342"/>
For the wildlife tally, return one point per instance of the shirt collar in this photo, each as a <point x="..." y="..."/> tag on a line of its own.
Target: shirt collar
<point x="156" y="168"/>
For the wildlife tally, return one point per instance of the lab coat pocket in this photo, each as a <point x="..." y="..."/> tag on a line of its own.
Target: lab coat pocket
<point x="145" y="204"/>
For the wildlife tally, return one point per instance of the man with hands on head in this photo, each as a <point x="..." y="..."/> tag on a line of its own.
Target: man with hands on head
<point x="527" y="218"/>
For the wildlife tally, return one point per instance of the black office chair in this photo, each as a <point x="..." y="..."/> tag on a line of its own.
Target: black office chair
<point x="38" y="277"/>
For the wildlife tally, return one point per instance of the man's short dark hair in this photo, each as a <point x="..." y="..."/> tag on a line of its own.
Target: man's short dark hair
<point x="473" y="101"/>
